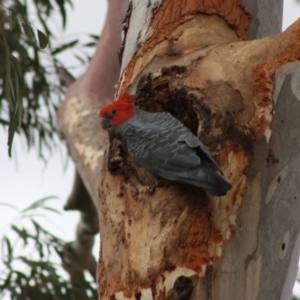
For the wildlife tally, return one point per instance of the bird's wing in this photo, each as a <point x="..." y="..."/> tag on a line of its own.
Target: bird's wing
<point x="202" y="151"/>
<point x="158" y="142"/>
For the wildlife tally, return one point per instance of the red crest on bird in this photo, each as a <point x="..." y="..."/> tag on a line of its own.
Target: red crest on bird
<point x="118" y="111"/>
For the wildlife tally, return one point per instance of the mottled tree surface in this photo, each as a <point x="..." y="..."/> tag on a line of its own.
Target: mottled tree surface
<point x="239" y="95"/>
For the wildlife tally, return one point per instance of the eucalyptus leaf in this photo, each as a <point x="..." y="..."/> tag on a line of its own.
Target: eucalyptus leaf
<point x="29" y="31"/>
<point x="32" y="271"/>
<point x="7" y="85"/>
<point x="62" y="9"/>
<point x="9" y="250"/>
<point x="64" y="47"/>
<point x="22" y="60"/>
<point x="12" y="20"/>
<point x="43" y="40"/>
<point x="38" y="203"/>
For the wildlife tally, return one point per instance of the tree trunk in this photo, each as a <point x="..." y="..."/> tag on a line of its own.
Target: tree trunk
<point x="240" y="97"/>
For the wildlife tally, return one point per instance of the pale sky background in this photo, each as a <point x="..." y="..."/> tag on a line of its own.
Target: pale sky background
<point x="25" y="178"/>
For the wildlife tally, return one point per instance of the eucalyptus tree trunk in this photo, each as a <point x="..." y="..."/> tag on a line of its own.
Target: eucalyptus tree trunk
<point x="202" y="62"/>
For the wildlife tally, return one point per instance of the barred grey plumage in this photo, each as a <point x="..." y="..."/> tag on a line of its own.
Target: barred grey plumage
<point x="162" y="145"/>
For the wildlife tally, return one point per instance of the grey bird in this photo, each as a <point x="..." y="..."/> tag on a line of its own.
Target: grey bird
<point x="163" y="146"/>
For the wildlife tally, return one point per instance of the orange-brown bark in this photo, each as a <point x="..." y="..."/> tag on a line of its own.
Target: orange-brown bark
<point x="171" y="14"/>
<point x="178" y="11"/>
<point x="220" y="87"/>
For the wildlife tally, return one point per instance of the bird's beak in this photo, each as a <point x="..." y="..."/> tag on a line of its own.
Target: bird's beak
<point x="105" y="123"/>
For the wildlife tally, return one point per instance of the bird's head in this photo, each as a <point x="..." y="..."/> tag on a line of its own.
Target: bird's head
<point x="117" y="112"/>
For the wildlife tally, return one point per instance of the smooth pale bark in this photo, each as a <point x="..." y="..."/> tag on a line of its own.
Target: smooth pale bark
<point x="180" y="242"/>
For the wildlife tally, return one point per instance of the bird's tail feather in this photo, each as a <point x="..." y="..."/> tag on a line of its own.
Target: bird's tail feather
<point x="210" y="181"/>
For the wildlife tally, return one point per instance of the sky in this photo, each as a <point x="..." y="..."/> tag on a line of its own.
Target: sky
<point x="25" y="178"/>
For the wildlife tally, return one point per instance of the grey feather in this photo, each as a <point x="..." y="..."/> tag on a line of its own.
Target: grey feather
<point x="162" y="145"/>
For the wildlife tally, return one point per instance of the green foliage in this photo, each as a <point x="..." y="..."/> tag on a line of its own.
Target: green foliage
<point x="33" y="258"/>
<point x="30" y="91"/>
<point x="27" y="102"/>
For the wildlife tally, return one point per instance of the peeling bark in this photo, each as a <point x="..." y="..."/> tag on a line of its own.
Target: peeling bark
<point x="198" y="68"/>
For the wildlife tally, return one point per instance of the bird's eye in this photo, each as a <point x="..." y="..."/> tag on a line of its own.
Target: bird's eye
<point x="113" y="112"/>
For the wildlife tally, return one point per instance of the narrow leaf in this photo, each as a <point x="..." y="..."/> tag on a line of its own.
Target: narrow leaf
<point x="8" y="205"/>
<point x="16" y="84"/>
<point x="7" y="283"/>
<point x="89" y="45"/>
<point x="43" y="39"/>
<point x="13" y="125"/>
<point x="12" y="91"/>
<point x="29" y="31"/>
<point x="39" y="203"/>
<point x="12" y="20"/>
<point x="80" y="58"/>
<point x="61" y="6"/>
<point x="20" y="102"/>
<point x="94" y="36"/>
<point x="9" y="249"/>
<point x="7" y="90"/>
<point x="17" y="66"/>
<point x="64" y="47"/>
<point x="52" y="209"/>
<point x="22" y="233"/>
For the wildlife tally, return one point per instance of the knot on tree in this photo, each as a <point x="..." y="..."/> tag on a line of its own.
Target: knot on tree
<point x="182" y="289"/>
